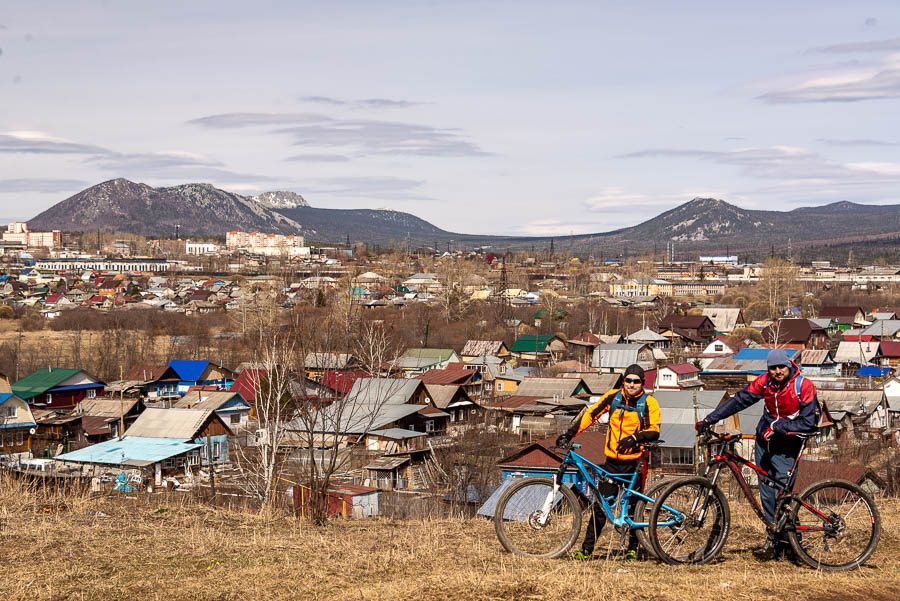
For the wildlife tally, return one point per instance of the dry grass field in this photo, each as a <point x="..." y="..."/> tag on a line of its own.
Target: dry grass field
<point x="79" y="547"/>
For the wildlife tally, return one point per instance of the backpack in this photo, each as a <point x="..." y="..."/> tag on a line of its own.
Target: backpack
<point x="641" y="407"/>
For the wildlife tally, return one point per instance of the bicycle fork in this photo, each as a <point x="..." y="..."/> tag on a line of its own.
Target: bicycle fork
<point x="703" y="502"/>
<point x="544" y="512"/>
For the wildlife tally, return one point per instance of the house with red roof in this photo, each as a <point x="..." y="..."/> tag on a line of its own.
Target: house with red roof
<point x="677" y="376"/>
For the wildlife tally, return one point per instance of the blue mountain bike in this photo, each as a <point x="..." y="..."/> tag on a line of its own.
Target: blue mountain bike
<point x="540" y="516"/>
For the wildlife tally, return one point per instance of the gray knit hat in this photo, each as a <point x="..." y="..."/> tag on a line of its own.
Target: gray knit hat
<point x="777" y="357"/>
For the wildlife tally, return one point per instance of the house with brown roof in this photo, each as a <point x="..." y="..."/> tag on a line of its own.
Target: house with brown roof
<point x="690" y="330"/>
<point x="471" y="380"/>
<point x="846" y="317"/>
<point x="796" y="333"/>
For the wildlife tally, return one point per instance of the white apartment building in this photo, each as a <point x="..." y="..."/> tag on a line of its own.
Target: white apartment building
<point x="17" y="231"/>
<point x="200" y="248"/>
<point x="255" y="240"/>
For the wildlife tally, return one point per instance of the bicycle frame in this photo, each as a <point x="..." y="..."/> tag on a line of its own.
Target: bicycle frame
<point x="625" y="482"/>
<point x="784" y="495"/>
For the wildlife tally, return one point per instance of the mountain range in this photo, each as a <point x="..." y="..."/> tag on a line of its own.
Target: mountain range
<point x="700" y="225"/>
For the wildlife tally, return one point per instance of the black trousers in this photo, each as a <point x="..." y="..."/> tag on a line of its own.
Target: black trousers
<point x="597" y="519"/>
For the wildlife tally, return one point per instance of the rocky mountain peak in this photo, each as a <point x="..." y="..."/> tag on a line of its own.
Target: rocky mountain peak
<point x="280" y="199"/>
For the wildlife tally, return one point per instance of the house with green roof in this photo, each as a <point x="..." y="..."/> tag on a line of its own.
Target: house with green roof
<point x="57" y="387"/>
<point x="416" y="361"/>
<point x="538" y="349"/>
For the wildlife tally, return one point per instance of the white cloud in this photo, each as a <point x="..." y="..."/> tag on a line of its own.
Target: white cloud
<point x="36" y="142"/>
<point x="843" y="84"/>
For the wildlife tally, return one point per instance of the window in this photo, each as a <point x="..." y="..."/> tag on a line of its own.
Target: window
<point x="168" y="463"/>
<point x="203" y="452"/>
<point x="235" y="418"/>
<point x="91" y="393"/>
<point x="10" y="411"/>
<point x="19" y="438"/>
<point x="719" y="347"/>
<point x="499" y="385"/>
<point x="429" y="426"/>
<point x="215" y="450"/>
<point x="49" y="398"/>
<point x="453" y="416"/>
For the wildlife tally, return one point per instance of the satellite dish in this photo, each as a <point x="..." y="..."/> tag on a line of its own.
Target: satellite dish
<point x="32" y="431"/>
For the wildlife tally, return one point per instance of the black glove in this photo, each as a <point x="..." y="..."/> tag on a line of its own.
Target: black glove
<point x="702" y="427"/>
<point x="628" y="445"/>
<point x="562" y="441"/>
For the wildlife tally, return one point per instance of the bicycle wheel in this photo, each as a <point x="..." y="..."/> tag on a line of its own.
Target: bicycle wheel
<point x="836" y="526"/>
<point x="642" y="511"/>
<point x="517" y="519"/>
<point x="689" y="522"/>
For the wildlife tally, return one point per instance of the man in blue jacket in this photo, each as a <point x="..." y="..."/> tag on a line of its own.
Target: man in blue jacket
<point x="791" y="406"/>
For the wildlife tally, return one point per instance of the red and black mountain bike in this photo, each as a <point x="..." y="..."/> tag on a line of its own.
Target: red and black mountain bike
<point x="833" y="525"/>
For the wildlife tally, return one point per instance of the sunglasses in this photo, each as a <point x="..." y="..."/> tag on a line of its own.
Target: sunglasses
<point x="632" y="380"/>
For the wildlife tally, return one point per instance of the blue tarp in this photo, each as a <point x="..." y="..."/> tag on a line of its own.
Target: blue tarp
<point x="751" y="354"/>
<point x="188" y="371"/>
<point x="873" y="370"/>
<point x="134" y="450"/>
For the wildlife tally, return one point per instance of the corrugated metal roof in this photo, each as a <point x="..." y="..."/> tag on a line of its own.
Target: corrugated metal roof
<point x="812" y="357"/>
<point x="212" y="400"/>
<point x="677" y="435"/>
<point x="548" y="387"/>
<point x="855" y="402"/>
<point x="182" y="424"/>
<point x="882" y="327"/>
<point x="855" y="352"/>
<point x="397" y="433"/>
<point x="646" y="335"/>
<point x="40" y="381"/>
<point x="374" y="391"/>
<point x="357" y="418"/>
<point x="684" y="399"/>
<point x="618" y="355"/>
<point x="134" y="451"/>
<point x="530" y="343"/>
<point x="106" y="407"/>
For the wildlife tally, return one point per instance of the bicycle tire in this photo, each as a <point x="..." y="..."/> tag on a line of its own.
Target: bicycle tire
<point x="642" y="510"/>
<point x="521" y="535"/>
<point x="683" y="495"/>
<point x="856" y="535"/>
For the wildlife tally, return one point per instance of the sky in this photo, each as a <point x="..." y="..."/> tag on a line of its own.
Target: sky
<point x="518" y="117"/>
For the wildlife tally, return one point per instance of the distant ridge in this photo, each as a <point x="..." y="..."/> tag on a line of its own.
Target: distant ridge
<point x="700" y="225"/>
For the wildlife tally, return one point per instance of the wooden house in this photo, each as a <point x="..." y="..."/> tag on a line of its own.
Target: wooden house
<point x="57" y="387"/>
<point x="17" y="425"/>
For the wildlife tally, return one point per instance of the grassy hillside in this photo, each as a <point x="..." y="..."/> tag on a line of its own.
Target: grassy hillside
<point x="61" y="548"/>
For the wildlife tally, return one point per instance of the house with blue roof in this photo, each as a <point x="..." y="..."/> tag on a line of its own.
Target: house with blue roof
<point x="160" y="441"/>
<point x="180" y="375"/>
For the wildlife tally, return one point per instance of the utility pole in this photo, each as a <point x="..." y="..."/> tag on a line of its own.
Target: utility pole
<point x="696" y="440"/>
<point x="212" y="471"/>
